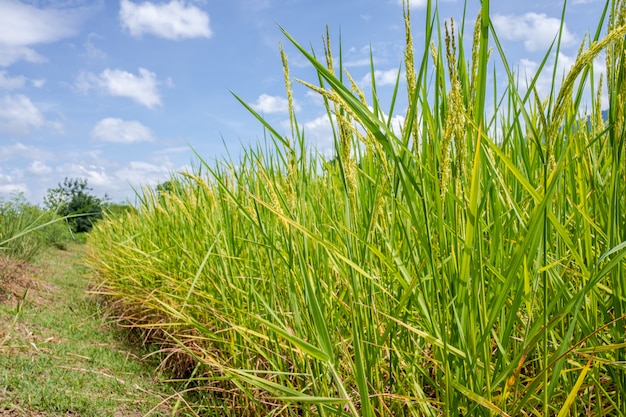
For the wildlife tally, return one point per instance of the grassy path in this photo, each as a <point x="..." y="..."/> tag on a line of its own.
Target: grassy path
<point x="59" y="357"/>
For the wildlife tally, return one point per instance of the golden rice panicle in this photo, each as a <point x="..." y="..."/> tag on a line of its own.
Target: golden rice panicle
<point x="454" y="123"/>
<point x="356" y="89"/>
<point x="288" y="89"/>
<point x="615" y="48"/>
<point x="369" y="140"/>
<point x="292" y="171"/>
<point x="411" y="77"/>
<point x="344" y="118"/>
<point x="450" y="49"/>
<point x="474" y="67"/>
<point x="599" y="125"/>
<point x="409" y="58"/>
<point x="328" y="52"/>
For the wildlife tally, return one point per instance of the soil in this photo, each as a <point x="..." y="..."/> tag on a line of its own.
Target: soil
<point x="18" y="278"/>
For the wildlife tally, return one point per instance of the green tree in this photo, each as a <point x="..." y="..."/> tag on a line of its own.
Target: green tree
<point x="74" y="199"/>
<point x="165" y="187"/>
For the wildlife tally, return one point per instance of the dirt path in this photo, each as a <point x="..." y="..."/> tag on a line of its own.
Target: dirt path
<point x="58" y="354"/>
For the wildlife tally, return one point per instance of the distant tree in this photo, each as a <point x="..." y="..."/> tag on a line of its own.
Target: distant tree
<point x="74" y="198"/>
<point x="165" y="187"/>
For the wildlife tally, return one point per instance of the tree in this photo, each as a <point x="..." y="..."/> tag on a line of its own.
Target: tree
<point x="166" y="187"/>
<point x="74" y="199"/>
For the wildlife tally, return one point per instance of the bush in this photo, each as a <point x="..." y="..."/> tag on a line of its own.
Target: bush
<point x="25" y="229"/>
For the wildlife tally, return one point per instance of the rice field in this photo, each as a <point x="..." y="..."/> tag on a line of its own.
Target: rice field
<point x="469" y="263"/>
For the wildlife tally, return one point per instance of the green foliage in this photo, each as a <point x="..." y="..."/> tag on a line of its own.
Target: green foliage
<point x="73" y="199"/>
<point x="468" y="264"/>
<point x="165" y="187"/>
<point x="26" y="229"/>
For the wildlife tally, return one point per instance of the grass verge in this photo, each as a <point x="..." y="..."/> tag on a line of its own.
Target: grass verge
<point x="58" y="354"/>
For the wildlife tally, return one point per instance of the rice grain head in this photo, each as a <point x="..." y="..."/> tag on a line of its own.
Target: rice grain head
<point x="455" y="122"/>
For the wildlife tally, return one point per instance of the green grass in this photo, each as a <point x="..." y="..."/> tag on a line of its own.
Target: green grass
<point x="468" y="264"/>
<point x="59" y="355"/>
<point x="26" y="229"/>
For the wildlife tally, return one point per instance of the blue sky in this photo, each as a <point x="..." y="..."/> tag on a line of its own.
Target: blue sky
<point x="116" y="92"/>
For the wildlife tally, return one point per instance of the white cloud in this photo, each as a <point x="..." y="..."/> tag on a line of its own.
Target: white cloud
<point x="12" y="83"/>
<point x="174" y="20"/>
<point x="39" y="168"/>
<point x="272" y="104"/>
<point x="95" y="175"/>
<point x="419" y="4"/>
<point x="319" y="132"/>
<point x="414" y="3"/>
<point x="142" y="88"/>
<point x="145" y="173"/>
<point x="9" y="188"/>
<point x="121" y="131"/>
<point x="536" y="30"/>
<point x="24" y="25"/>
<point x="18" y="115"/>
<point x="90" y="48"/>
<point x="19" y="150"/>
<point x="382" y="78"/>
<point x="114" y="179"/>
<point x="315" y="97"/>
<point x="8" y="83"/>
<point x="397" y="123"/>
<point x="9" y="54"/>
<point x="358" y="62"/>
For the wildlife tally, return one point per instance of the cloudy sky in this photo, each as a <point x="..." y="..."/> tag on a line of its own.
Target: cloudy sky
<point x="118" y="92"/>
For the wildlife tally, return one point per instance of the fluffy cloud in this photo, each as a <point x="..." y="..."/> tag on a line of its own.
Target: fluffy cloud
<point x="382" y="78"/>
<point x="19" y="150"/>
<point x="141" y="88"/>
<point x="414" y="3"/>
<point x="18" y="115"/>
<point x="140" y="173"/>
<point x="121" y="131"/>
<point x="397" y="123"/>
<point x="319" y="132"/>
<point x="421" y="3"/>
<point x="536" y="30"/>
<point x="9" y="83"/>
<point x="174" y="20"/>
<point x="39" y="168"/>
<point x="8" y="187"/>
<point x="90" y="48"/>
<point x="24" y="25"/>
<point x="272" y="104"/>
<point x="95" y="174"/>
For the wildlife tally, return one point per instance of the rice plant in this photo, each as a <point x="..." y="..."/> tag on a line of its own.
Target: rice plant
<point x="468" y="264"/>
